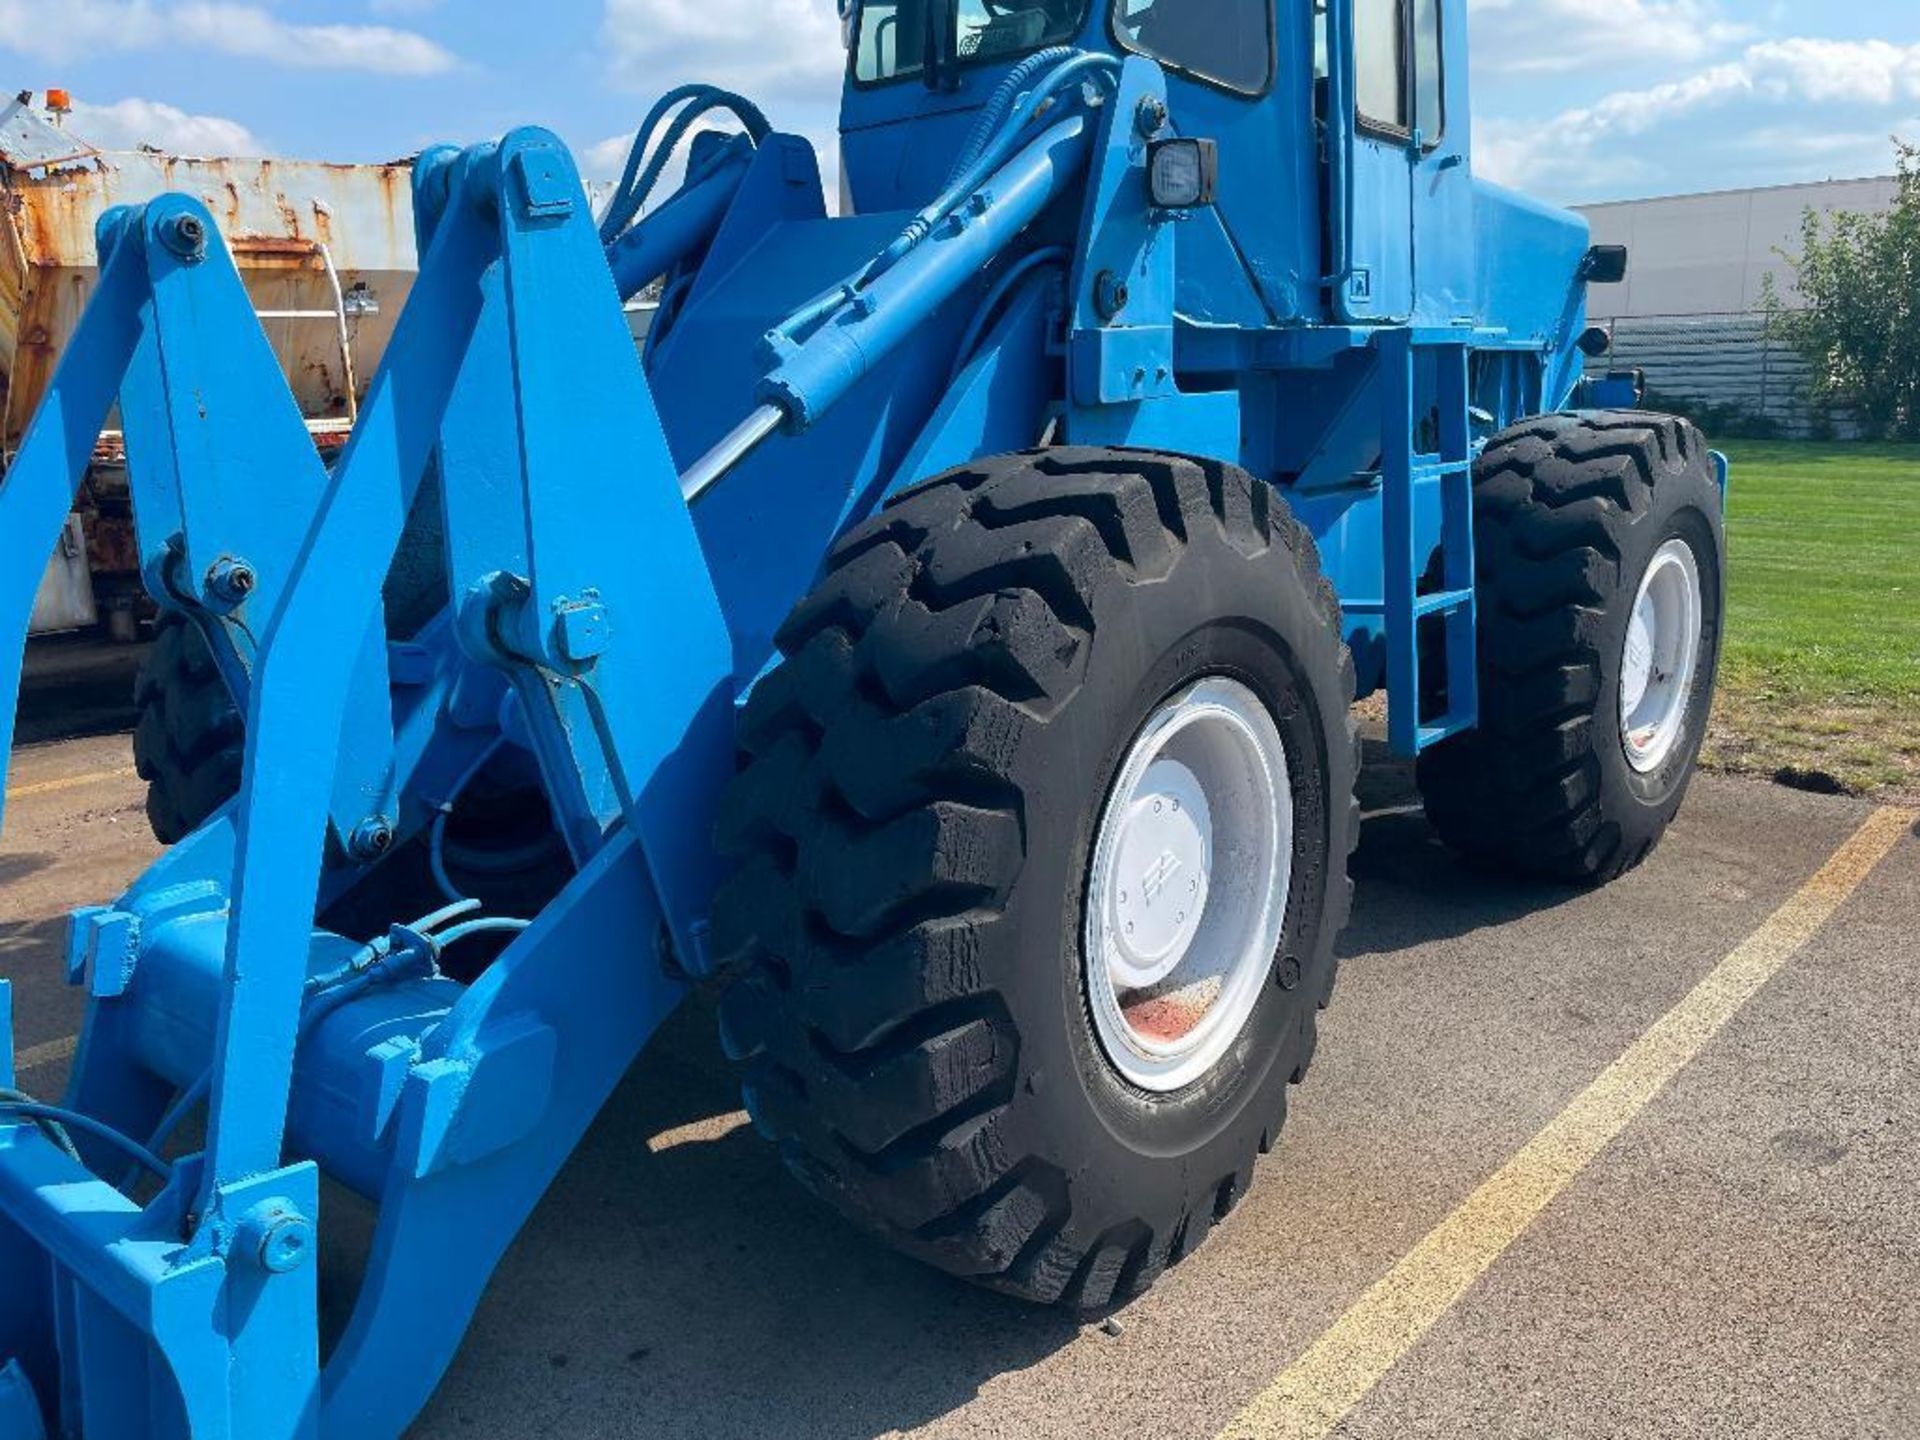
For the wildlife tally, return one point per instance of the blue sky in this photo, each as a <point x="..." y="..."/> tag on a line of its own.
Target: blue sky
<point x="1575" y="99"/>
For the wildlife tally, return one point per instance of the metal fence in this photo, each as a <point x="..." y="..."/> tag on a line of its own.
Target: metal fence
<point x="1731" y="364"/>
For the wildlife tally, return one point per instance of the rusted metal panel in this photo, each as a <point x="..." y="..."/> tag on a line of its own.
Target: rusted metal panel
<point x="296" y="228"/>
<point x="65" y="599"/>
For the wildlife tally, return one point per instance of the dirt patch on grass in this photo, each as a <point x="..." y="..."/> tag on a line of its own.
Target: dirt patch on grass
<point x="1869" y="748"/>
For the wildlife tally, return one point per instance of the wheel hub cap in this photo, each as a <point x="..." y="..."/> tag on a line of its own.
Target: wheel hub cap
<point x="1662" y="653"/>
<point x="1164" y="854"/>
<point x="1188" y="883"/>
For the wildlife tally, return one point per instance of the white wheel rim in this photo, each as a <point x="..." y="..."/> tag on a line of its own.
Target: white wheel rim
<point x="1661" y="654"/>
<point x="1187" y="891"/>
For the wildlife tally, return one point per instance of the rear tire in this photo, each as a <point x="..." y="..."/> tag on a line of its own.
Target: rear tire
<point x="1564" y="778"/>
<point x="924" y="778"/>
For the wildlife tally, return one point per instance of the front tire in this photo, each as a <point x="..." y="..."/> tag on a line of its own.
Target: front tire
<point x="1601" y="552"/>
<point x="989" y="668"/>
<point x="190" y="740"/>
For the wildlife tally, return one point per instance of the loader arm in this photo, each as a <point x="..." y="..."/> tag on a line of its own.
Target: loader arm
<point x="185" y="1303"/>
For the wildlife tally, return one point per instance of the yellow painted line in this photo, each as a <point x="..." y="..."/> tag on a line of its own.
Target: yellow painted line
<point x="50" y="1053"/>
<point x="72" y="782"/>
<point x="1314" y="1394"/>
<point x="716" y="1127"/>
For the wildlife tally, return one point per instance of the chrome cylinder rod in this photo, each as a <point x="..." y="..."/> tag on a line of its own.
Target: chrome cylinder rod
<point x="738" y="443"/>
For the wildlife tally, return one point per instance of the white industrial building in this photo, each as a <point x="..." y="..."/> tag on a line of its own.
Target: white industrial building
<point x="1691" y="311"/>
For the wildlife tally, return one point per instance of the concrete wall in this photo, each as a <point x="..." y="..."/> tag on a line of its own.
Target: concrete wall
<point x="1709" y="254"/>
<point x="1689" y="313"/>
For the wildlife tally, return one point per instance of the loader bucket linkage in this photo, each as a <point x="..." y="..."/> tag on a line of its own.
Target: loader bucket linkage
<point x="195" y="1313"/>
<point x="513" y="374"/>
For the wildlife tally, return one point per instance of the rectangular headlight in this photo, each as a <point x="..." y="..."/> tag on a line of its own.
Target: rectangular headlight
<point x="1182" y="173"/>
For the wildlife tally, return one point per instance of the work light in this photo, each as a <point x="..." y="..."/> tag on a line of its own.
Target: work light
<point x="1182" y="173"/>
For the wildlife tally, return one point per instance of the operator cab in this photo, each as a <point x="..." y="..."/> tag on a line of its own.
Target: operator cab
<point x="1328" y="172"/>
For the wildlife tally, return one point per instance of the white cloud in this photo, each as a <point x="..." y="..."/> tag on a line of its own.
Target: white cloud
<point x="86" y="27"/>
<point x="784" y="55"/>
<point x="776" y="49"/>
<point x="131" y="123"/>
<point x="603" y="161"/>
<point x="1834" y="102"/>
<point x="1547" y="37"/>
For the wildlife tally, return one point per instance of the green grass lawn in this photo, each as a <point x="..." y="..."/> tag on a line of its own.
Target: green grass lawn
<point x="1822" y="662"/>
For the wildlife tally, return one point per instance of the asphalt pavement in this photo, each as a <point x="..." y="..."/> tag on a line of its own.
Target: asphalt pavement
<point x="1741" y="1259"/>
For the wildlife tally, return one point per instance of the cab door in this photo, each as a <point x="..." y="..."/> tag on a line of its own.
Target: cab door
<point x="1408" y="202"/>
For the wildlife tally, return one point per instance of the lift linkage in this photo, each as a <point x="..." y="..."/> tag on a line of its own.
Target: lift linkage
<point x="584" y="617"/>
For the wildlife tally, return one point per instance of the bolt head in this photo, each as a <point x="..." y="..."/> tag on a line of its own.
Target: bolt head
<point x="1150" y="115"/>
<point x="274" y="1236"/>
<point x="373" y="838"/>
<point x="285" y="1245"/>
<point x="186" y="236"/>
<point x="584" y="631"/>
<point x="230" y="580"/>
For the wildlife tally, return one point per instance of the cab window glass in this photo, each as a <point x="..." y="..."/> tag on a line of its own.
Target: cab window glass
<point x="893" y="36"/>
<point x="1228" y="42"/>
<point x="890" y="42"/>
<point x="1398" y="66"/>
<point x="1429" y="105"/>
<point x="1380" y="62"/>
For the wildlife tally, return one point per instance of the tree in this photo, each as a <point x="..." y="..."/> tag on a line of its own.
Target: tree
<point x="1857" y="321"/>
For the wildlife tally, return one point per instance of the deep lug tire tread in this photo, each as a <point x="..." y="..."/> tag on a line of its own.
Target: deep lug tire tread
<point x="1557" y="500"/>
<point x="189" y="740"/>
<point x="878" y="830"/>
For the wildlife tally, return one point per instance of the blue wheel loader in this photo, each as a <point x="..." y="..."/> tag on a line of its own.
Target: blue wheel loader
<point x="940" y="637"/>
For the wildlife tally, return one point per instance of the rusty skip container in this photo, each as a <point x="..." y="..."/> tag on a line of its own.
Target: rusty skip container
<point x="326" y="251"/>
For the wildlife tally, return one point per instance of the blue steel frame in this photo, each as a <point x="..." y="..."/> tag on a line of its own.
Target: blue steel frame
<point x="991" y="317"/>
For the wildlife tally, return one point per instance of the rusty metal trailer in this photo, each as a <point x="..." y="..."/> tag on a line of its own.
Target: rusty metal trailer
<point x="326" y="252"/>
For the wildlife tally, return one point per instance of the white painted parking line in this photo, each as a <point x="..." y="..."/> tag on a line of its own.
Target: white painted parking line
<point x="71" y="782"/>
<point x="1315" y="1394"/>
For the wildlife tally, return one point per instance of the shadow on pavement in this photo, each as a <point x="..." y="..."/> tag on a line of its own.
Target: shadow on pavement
<point x="702" y="1285"/>
<point x="74" y="686"/>
<point x="19" y="867"/>
<point x="1412" y="890"/>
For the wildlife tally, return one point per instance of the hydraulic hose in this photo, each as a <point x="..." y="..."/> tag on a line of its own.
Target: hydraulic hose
<point x="996" y="107"/>
<point x="681" y="223"/>
<point x="814" y="374"/>
<point x="637" y="184"/>
<point x="991" y="156"/>
<point x="1003" y="287"/>
<point x="59" y="1119"/>
<point x="994" y="140"/>
<point x="189" y="1099"/>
